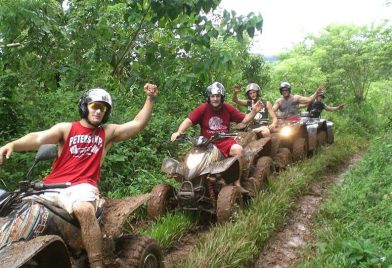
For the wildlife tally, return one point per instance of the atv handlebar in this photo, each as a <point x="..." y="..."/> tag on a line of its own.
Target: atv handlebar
<point x="25" y="186"/>
<point x="203" y="141"/>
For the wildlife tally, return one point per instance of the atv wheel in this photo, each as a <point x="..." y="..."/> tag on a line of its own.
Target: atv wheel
<point x="299" y="149"/>
<point x="162" y="200"/>
<point x="282" y="159"/>
<point x="330" y="138"/>
<point x="229" y="202"/>
<point x="264" y="168"/>
<point x="321" y="138"/>
<point x="253" y="185"/>
<point x="139" y="252"/>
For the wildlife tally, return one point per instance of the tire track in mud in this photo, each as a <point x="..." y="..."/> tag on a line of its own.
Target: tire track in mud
<point x="284" y="247"/>
<point x="185" y="245"/>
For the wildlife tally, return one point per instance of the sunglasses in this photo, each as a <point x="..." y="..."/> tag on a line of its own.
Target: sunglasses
<point x="98" y="105"/>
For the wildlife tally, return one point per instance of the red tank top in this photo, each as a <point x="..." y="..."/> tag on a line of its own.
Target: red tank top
<point x="80" y="159"/>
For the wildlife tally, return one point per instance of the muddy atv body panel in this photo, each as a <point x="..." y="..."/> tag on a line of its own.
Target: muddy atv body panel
<point x="37" y="252"/>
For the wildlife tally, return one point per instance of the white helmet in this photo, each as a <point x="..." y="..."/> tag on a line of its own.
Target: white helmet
<point x="215" y="88"/>
<point x="95" y="94"/>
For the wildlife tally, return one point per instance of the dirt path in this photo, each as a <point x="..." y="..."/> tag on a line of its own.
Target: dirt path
<point x="184" y="246"/>
<point x="284" y="248"/>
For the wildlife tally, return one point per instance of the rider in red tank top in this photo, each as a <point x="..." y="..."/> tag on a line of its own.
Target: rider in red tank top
<point x="80" y="158"/>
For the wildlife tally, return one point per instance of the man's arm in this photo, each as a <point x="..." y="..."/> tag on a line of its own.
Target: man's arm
<point x="187" y="123"/>
<point x="33" y="140"/>
<point x="237" y="89"/>
<point x="334" y="109"/>
<point x="276" y="105"/>
<point x="255" y="109"/>
<point x="117" y="133"/>
<point x="272" y="115"/>
<point x="303" y="100"/>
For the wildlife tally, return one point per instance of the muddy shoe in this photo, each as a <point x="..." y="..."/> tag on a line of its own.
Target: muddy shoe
<point x="242" y="190"/>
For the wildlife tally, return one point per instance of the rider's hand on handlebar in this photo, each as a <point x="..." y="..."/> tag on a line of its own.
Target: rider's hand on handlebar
<point x="6" y="151"/>
<point x="175" y="135"/>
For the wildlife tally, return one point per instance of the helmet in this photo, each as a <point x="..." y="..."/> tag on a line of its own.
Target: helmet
<point x="252" y="86"/>
<point x="321" y="94"/>
<point x="284" y="85"/>
<point x="95" y="94"/>
<point x="215" y="88"/>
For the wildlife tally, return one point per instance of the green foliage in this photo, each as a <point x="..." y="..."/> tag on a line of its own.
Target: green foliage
<point x="119" y="46"/>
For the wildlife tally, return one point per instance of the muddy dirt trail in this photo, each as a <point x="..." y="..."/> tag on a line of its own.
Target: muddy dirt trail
<point x="285" y="246"/>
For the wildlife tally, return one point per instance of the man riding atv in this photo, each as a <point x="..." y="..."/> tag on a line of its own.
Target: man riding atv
<point x="261" y="122"/>
<point x="82" y="146"/>
<point x="215" y="116"/>
<point x="287" y="104"/>
<point x="317" y="106"/>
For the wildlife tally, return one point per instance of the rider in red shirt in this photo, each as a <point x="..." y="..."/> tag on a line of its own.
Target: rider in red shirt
<point x="215" y="117"/>
<point x="82" y="146"/>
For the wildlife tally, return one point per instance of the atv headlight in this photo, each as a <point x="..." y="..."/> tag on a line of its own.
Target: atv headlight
<point x="194" y="160"/>
<point x="286" y="131"/>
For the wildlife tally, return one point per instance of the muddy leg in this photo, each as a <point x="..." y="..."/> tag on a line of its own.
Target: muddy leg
<point x="237" y="151"/>
<point x="91" y="232"/>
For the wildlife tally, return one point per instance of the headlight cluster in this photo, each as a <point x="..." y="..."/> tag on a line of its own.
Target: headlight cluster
<point x="286" y="131"/>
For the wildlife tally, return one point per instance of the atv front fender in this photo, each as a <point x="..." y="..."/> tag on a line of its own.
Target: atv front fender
<point x="44" y="251"/>
<point x="229" y="168"/>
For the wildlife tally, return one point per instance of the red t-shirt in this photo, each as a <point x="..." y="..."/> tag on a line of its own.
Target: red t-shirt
<point x="80" y="159"/>
<point x="212" y="121"/>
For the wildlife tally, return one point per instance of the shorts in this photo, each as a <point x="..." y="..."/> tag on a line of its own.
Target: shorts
<point x="224" y="145"/>
<point x="67" y="197"/>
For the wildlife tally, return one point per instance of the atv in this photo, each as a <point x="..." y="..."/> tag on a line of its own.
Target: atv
<point x="303" y="134"/>
<point x="36" y="233"/>
<point x="206" y="178"/>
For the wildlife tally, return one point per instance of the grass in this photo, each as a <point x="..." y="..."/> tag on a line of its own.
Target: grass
<point x="168" y="230"/>
<point x="354" y="226"/>
<point x="237" y="243"/>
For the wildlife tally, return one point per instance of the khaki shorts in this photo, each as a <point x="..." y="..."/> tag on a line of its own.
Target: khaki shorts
<point x="67" y="197"/>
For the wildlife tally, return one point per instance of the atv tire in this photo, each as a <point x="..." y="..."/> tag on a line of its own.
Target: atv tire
<point x="139" y="252"/>
<point x="162" y="200"/>
<point x="264" y="168"/>
<point x="229" y="202"/>
<point x="330" y="137"/>
<point x="321" y="138"/>
<point x="299" y="149"/>
<point x="282" y="159"/>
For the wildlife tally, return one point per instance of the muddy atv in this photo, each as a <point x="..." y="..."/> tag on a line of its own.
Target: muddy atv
<point x="260" y="151"/>
<point x="324" y="127"/>
<point x="206" y="179"/>
<point x="303" y="134"/>
<point x="36" y="233"/>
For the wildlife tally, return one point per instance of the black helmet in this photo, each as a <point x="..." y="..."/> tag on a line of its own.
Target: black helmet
<point x="252" y="86"/>
<point x="284" y="85"/>
<point x="95" y="94"/>
<point x="215" y="88"/>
